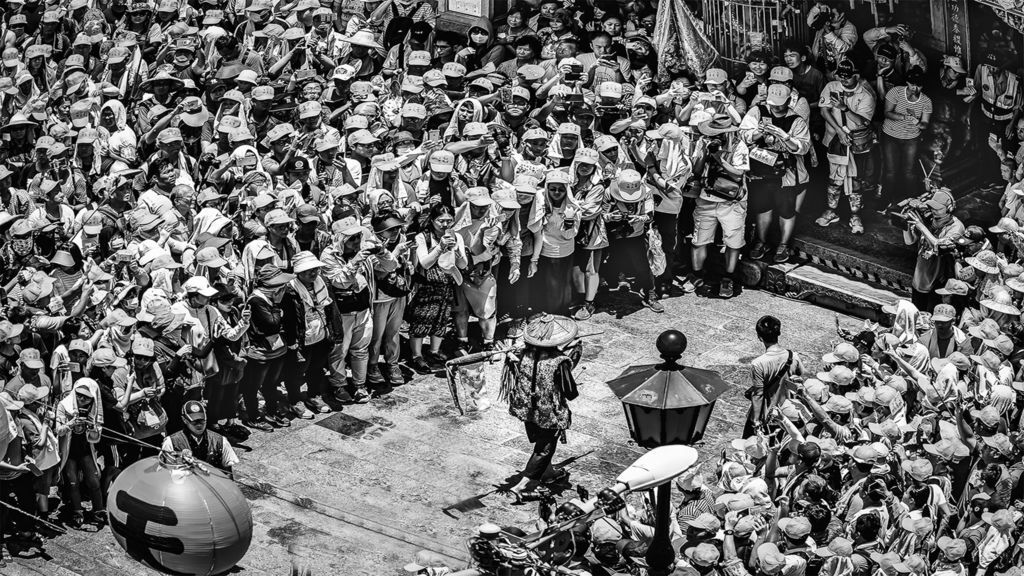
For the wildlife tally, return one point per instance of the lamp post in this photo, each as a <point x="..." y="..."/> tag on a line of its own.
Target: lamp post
<point x="667" y="403"/>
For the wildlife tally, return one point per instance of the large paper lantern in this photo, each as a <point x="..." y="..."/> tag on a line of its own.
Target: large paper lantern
<point x="179" y="516"/>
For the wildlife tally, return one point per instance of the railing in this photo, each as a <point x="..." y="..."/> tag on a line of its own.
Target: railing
<point x="737" y="26"/>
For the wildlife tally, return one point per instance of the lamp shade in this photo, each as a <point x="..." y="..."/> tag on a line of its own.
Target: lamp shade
<point x="667" y="403"/>
<point x="178" y="518"/>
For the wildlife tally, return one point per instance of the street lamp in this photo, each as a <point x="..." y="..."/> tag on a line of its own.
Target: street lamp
<point x="667" y="403"/>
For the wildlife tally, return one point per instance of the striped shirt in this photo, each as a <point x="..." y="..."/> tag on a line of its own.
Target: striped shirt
<point x="904" y="129"/>
<point x="696" y="507"/>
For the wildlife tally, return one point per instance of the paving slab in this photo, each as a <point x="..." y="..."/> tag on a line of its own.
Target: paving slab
<point x="359" y="492"/>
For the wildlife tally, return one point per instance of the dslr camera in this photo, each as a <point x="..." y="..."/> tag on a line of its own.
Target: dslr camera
<point x="821" y="20"/>
<point x="899" y="215"/>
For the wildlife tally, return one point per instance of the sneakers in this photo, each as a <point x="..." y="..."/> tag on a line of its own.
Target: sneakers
<point x="691" y="283"/>
<point x="758" y="251"/>
<point x="420" y="366"/>
<point x="301" y="411"/>
<point x="277" y="420"/>
<point x="373" y="375"/>
<point x="782" y="254"/>
<point x="353" y="396"/>
<point x="828" y="218"/>
<point x="395" y="376"/>
<point x="585" y="311"/>
<point x="262" y="425"/>
<point x="651" y="301"/>
<point x="856" y="227"/>
<point x="317" y="405"/>
<point x="725" y="289"/>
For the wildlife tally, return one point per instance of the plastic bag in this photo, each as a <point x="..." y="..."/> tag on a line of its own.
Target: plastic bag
<point x="655" y="255"/>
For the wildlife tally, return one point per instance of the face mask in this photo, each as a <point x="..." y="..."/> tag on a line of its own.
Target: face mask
<point x="478" y="38"/>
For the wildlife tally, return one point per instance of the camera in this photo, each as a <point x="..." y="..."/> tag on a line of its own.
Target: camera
<point x="575" y="73"/>
<point x="714" y="145"/>
<point x="821" y="20"/>
<point x="899" y="215"/>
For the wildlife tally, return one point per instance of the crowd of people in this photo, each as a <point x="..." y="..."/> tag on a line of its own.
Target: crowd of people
<point x="901" y="455"/>
<point x="218" y="217"/>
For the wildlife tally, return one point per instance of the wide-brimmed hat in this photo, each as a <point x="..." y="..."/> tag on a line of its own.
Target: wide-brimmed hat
<point x="1001" y="302"/>
<point x="9" y="403"/>
<point x="363" y="37"/>
<point x="18" y="120"/>
<point x="550" y="331"/>
<point x="162" y="76"/>
<point x="984" y="261"/>
<point x="29" y="394"/>
<point x="948" y="449"/>
<point x="628" y="187"/>
<point x="719" y="124"/>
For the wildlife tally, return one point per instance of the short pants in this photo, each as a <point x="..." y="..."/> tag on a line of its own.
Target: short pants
<point x="731" y="215"/>
<point x="769" y="195"/>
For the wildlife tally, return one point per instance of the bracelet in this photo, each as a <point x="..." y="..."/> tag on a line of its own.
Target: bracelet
<point x="729" y="532"/>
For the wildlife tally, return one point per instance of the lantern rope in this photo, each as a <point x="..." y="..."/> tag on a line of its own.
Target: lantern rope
<point x="305" y="503"/>
<point x="49" y="525"/>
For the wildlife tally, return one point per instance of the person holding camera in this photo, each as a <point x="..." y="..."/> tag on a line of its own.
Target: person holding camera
<point x="722" y="165"/>
<point x="894" y="56"/>
<point x="907" y="114"/>
<point x="933" y="227"/>
<point x="778" y="138"/>
<point x="602" y="64"/>
<point x="79" y="424"/>
<point x="349" y="267"/>
<point x="834" y="35"/>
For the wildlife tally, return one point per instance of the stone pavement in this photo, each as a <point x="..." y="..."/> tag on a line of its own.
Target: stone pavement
<point x="359" y="492"/>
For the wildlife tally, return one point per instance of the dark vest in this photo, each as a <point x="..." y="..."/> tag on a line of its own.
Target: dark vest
<point x="785" y="159"/>
<point x="209" y="449"/>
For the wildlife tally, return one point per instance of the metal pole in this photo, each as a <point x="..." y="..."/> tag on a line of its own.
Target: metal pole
<point x="660" y="556"/>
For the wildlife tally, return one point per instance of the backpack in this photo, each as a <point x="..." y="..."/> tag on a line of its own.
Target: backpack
<point x="398" y="27"/>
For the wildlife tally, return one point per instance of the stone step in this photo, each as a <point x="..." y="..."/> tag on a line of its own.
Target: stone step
<point x="830" y="289"/>
<point x="826" y="255"/>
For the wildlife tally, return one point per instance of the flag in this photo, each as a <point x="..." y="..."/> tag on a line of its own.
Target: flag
<point x="680" y="41"/>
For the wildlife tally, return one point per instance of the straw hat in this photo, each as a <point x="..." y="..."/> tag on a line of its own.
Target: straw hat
<point x="1001" y="302"/>
<point x="984" y="261"/>
<point x="720" y="124"/>
<point x="363" y="37"/>
<point x="550" y="331"/>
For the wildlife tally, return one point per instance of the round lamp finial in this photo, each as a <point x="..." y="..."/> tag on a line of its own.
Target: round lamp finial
<point x="671" y="344"/>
